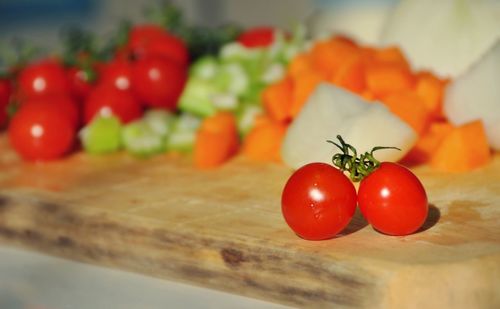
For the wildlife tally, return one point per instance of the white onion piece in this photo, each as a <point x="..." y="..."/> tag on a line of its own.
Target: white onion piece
<point x="362" y="22"/>
<point x="476" y="95"/>
<point x="445" y="36"/>
<point x="332" y="111"/>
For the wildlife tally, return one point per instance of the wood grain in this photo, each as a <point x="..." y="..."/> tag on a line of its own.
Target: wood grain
<point x="223" y="229"/>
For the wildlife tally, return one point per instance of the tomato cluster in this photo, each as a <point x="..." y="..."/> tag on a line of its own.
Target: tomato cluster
<point x="54" y="99"/>
<point x="319" y="200"/>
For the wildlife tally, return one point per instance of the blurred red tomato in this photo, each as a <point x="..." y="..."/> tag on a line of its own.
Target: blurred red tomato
<point x="104" y="100"/>
<point x="257" y="37"/>
<point x="152" y="40"/>
<point x="5" y="93"/>
<point x="41" y="131"/>
<point x="168" y="46"/>
<point x="117" y="74"/>
<point x="66" y="104"/>
<point x="46" y="77"/>
<point x="158" y="81"/>
<point x="81" y="81"/>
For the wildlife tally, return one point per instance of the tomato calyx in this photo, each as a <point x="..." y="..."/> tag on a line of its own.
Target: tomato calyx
<point x="348" y="160"/>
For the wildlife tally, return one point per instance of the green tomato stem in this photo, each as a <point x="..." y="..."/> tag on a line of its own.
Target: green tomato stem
<point x="348" y="161"/>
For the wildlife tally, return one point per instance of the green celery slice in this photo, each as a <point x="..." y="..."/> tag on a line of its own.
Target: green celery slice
<point x="102" y="135"/>
<point x="183" y="134"/>
<point x="196" y="97"/>
<point x="159" y="120"/>
<point x="140" y="139"/>
<point x="204" y="68"/>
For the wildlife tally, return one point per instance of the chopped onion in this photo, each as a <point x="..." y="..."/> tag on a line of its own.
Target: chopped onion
<point x="361" y="21"/>
<point x="476" y="95"/>
<point x="445" y="36"/>
<point x="332" y="111"/>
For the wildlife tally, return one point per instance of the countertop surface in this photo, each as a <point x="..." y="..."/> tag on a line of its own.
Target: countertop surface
<point x="31" y="280"/>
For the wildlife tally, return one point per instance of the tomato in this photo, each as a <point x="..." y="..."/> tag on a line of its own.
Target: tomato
<point x="65" y="104"/>
<point x="41" y="132"/>
<point x="118" y="74"/>
<point x="257" y="37"/>
<point x="81" y="81"/>
<point x="151" y="40"/>
<point x="46" y="77"/>
<point x="168" y="46"/>
<point x="141" y="35"/>
<point x="318" y="201"/>
<point x="5" y="93"/>
<point x="104" y="100"/>
<point x="393" y="200"/>
<point x="158" y="82"/>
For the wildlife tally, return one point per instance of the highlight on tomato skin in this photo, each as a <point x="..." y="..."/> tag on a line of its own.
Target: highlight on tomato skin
<point x="393" y="200"/>
<point x="318" y="201"/>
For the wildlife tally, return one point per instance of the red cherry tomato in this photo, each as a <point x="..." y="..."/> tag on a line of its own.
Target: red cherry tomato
<point x="318" y="201"/>
<point x="152" y="40"/>
<point x="80" y="81"/>
<point x="117" y="74"/>
<point x="257" y="37"/>
<point x="158" y="82"/>
<point x="43" y="78"/>
<point x="41" y="132"/>
<point x="141" y="35"/>
<point x="107" y="101"/>
<point x="5" y="93"/>
<point x="393" y="200"/>
<point x="167" y="46"/>
<point x="65" y="104"/>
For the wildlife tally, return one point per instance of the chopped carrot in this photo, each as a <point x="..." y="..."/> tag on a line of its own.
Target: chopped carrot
<point x="351" y="74"/>
<point x="367" y="95"/>
<point x="428" y="143"/>
<point x="381" y="74"/>
<point x="328" y="56"/>
<point x="263" y="143"/>
<point x="463" y="149"/>
<point x="277" y="99"/>
<point x="216" y="140"/>
<point x="300" y="64"/>
<point x="409" y="107"/>
<point x="261" y="119"/>
<point x="304" y="85"/>
<point x="431" y="90"/>
<point x="391" y="55"/>
<point x="383" y="79"/>
<point x="368" y="52"/>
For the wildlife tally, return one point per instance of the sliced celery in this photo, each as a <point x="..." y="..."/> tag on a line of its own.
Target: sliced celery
<point x="225" y="101"/>
<point x="182" y="141"/>
<point x="183" y="133"/>
<point x="140" y="139"/>
<point x="102" y="135"/>
<point x="232" y="78"/>
<point x="159" y="120"/>
<point x="197" y="97"/>
<point x="204" y="68"/>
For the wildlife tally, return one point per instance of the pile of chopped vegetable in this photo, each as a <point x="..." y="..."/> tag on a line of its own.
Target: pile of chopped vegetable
<point x="263" y="92"/>
<point x="380" y="76"/>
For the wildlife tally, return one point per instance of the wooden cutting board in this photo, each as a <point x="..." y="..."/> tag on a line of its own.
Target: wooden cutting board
<point x="223" y="229"/>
